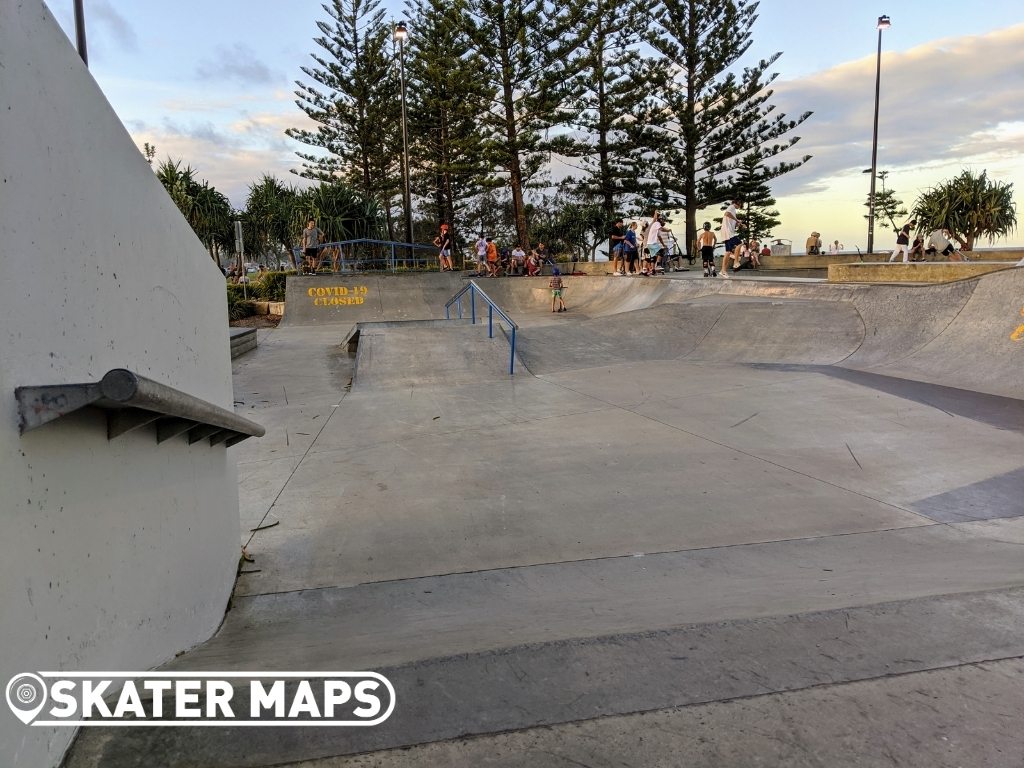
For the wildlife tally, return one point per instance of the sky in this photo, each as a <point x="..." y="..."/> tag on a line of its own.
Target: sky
<point x="212" y="83"/>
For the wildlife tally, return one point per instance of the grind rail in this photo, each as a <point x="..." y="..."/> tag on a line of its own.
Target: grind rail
<point x="474" y="290"/>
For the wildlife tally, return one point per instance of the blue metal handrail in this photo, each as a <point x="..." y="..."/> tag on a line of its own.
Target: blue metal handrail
<point x="392" y="261"/>
<point x="475" y="289"/>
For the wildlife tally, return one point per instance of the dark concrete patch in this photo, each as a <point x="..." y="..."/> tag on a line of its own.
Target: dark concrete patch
<point x="1000" y="496"/>
<point x="583" y="679"/>
<point x="994" y="410"/>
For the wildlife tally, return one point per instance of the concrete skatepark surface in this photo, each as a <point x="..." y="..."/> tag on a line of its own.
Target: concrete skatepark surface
<point x="708" y="522"/>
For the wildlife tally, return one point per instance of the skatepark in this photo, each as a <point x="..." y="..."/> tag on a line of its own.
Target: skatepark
<point x="703" y="522"/>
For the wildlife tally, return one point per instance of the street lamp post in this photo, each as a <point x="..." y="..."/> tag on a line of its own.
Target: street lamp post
<point x="883" y="23"/>
<point x="401" y="34"/>
<point x="80" y="31"/>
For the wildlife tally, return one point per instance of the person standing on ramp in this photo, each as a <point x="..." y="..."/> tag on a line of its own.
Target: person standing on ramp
<point x="555" y="284"/>
<point x="444" y="244"/>
<point x="310" y="243"/>
<point x="706" y="241"/>
<point x="903" y="242"/>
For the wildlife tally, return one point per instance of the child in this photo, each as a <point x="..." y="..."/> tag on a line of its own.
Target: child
<point x="492" y="257"/>
<point x="532" y="267"/>
<point x="706" y="242"/>
<point x="555" y="284"/>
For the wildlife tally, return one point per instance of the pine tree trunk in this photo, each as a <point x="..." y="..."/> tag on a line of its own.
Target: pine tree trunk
<point x="603" y="119"/>
<point x="511" y="134"/>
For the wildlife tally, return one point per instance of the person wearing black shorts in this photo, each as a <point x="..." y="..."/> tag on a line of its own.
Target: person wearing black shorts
<point x="706" y="242"/>
<point x="310" y="241"/>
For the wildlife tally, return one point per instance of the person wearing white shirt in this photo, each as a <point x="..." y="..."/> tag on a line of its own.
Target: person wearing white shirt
<point x="655" y="244"/>
<point x="729" y="238"/>
<point x="518" y="260"/>
<point x="939" y="242"/>
<point x="481" y="256"/>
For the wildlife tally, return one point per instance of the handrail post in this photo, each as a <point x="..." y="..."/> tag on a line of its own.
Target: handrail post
<point x="512" y="354"/>
<point x="490" y="320"/>
<point x="472" y="302"/>
<point x="460" y="307"/>
<point x="392" y="258"/>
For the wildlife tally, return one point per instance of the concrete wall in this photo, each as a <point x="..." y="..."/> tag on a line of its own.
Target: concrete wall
<point x="113" y="554"/>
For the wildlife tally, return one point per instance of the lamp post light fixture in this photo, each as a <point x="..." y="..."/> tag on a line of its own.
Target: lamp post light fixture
<point x="401" y="35"/>
<point x="883" y="23"/>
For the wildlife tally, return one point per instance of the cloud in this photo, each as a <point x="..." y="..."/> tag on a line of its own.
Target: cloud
<point x="239" y="62"/>
<point x="942" y="104"/>
<point x="230" y="156"/>
<point x="101" y="14"/>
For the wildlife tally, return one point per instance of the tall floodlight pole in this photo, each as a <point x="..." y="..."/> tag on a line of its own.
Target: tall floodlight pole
<point x="883" y="23"/>
<point x="401" y="34"/>
<point x="80" y="30"/>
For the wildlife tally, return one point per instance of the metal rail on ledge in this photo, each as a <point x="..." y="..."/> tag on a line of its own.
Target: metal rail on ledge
<point x="475" y="290"/>
<point x="337" y="258"/>
<point x="133" y="401"/>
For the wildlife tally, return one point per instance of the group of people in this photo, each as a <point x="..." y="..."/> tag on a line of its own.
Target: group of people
<point x="939" y="242"/>
<point x="238" y="275"/>
<point x="490" y="262"/>
<point x="740" y="253"/>
<point x="815" y="248"/>
<point x="642" y="251"/>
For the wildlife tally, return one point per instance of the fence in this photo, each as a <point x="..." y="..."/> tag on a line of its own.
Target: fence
<point x="366" y="255"/>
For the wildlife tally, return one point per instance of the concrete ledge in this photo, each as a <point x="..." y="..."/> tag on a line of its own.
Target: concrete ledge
<point x="912" y="272"/>
<point x="242" y="340"/>
<point x="275" y="307"/>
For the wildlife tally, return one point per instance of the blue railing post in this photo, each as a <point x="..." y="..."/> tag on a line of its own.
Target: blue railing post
<point x="490" y="321"/>
<point x="392" y="258"/>
<point x="460" y="307"/>
<point x="472" y="304"/>
<point x="512" y="355"/>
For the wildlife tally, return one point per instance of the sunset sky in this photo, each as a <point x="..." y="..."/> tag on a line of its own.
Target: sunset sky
<point x="211" y="82"/>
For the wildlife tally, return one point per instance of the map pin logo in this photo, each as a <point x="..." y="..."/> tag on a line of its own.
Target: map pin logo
<point x="26" y="695"/>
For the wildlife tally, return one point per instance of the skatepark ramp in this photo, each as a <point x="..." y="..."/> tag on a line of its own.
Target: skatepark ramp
<point x="957" y="334"/>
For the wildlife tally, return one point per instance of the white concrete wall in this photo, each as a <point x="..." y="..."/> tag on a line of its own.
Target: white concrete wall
<point x="119" y="554"/>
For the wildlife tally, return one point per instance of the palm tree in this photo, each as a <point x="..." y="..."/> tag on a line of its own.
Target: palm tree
<point x="269" y="213"/>
<point x="206" y="210"/>
<point x="970" y="206"/>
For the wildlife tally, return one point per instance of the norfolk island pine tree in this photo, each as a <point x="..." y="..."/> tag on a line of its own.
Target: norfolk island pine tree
<point x="707" y="118"/>
<point x="352" y="98"/>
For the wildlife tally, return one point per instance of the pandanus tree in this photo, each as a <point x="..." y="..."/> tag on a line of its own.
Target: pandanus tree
<point x="970" y="206"/>
<point x="269" y="214"/>
<point x="206" y="210"/>
<point x="339" y="211"/>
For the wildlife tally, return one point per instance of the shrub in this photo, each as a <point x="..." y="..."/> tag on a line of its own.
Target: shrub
<point x="236" y="293"/>
<point x="270" y="287"/>
<point x="239" y="307"/>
